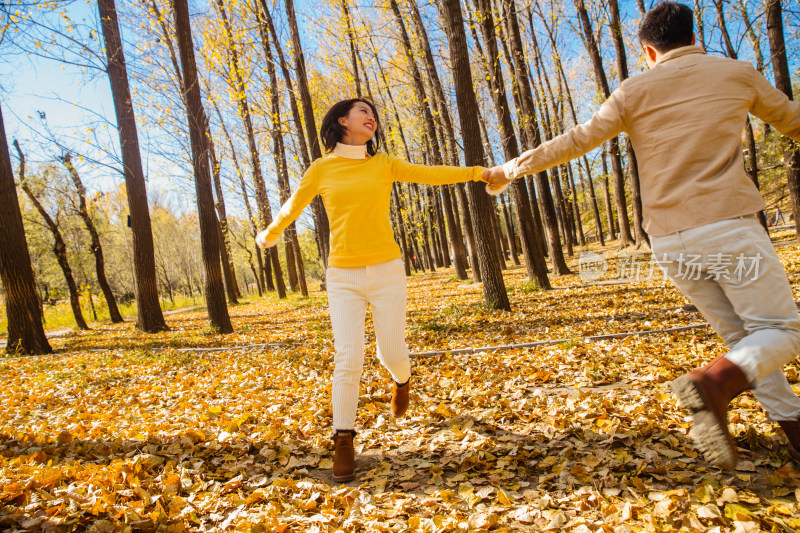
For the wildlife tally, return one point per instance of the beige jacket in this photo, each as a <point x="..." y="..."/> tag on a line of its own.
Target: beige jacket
<point x="685" y="117"/>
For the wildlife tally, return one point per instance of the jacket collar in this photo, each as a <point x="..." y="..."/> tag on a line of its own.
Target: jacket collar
<point x="680" y="52"/>
<point x="349" y="151"/>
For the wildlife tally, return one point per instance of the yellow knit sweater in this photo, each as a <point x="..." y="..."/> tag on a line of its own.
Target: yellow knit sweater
<point x="356" y="194"/>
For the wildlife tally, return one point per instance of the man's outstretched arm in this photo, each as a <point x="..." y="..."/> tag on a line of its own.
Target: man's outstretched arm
<point x="604" y="124"/>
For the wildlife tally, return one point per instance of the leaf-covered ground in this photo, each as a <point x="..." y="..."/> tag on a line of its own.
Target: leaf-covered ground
<point x="190" y="430"/>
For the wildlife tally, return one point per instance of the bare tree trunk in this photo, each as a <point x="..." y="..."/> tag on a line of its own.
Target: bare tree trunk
<point x="752" y="155"/>
<point x="535" y="265"/>
<point x="23" y="306"/>
<point x="258" y="178"/>
<point x="639" y="232"/>
<point x="206" y="214"/>
<point x="320" y="216"/>
<point x="575" y="209"/>
<point x="494" y="289"/>
<point x="59" y="247"/>
<point x="698" y="17"/>
<point x="150" y="317"/>
<point x="783" y="81"/>
<point x="568" y="93"/>
<point x="228" y="271"/>
<point x="97" y="248"/>
<point x="352" y="38"/>
<point x="607" y="194"/>
<point x="294" y="259"/>
<point x="616" y="159"/>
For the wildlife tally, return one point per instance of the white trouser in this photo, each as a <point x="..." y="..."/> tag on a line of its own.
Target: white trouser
<point x="383" y="286"/>
<point x="730" y="271"/>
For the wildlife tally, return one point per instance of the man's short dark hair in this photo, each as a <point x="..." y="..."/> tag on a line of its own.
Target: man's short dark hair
<point x="667" y="26"/>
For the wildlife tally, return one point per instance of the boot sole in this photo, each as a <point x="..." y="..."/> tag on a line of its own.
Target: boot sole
<point x="344" y="479"/>
<point x="708" y="435"/>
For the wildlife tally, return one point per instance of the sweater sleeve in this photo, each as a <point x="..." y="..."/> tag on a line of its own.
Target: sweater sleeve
<point x="774" y="107"/>
<point x="604" y="124"/>
<point x="306" y="191"/>
<point x="433" y="175"/>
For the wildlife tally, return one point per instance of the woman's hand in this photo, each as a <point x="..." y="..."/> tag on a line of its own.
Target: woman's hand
<point x="496" y="181"/>
<point x="261" y="240"/>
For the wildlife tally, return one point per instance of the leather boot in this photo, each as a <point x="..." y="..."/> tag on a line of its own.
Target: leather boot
<point x="706" y="393"/>
<point x="792" y="430"/>
<point x="343" y="456"/>
<point x="400" y="398"/>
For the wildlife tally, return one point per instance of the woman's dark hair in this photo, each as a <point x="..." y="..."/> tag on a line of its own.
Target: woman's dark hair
<point x="332" y="132"/>
<point x="667" y="26"/>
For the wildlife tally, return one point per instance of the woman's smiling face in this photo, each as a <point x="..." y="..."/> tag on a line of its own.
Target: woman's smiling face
<point x="359" y="124"/>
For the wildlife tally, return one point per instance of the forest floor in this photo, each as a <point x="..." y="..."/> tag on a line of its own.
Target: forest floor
<point x="192" y="430"/>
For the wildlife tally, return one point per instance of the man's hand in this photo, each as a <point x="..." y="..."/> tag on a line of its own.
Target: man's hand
<point x="496" y="181"/>
<point x="261" y="240"/>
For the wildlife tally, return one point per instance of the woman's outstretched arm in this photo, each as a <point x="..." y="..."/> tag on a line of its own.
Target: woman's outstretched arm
<point x="305" y="192"/>
<point x="402" y="170"/>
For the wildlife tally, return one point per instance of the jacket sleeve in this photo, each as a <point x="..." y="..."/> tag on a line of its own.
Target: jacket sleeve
<point x="433" y="175"/>
<point x="606" y="123"/>
<point x="306" y="191"/>
<point x="774" y="107"/>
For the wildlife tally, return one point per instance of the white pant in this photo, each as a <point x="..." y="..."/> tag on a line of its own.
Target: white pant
<point x="383" y="286"/>
<point x="730" y="271"/>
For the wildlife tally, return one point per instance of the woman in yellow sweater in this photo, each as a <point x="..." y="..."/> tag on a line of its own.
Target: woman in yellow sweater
<point x="355" y="182"/>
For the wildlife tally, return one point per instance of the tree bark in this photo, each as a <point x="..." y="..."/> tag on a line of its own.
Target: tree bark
<point x="535" y="265"/>
<point x="783" y="81"/>
<point x="640" y="235"/>
<point x="23" y="306"/>
<point x="97" y="248"/>
<point x="294" y="259"/>
<point x="494" y="289"/>
<point x="616" y="159"/>
<point x="206" y="214"/>
<point x="265" y="213"/>
<point x="320" y="216"/>
<point x="150" y="317"/>
<point x="752" y="154"/>
<point x="59" y="247"/>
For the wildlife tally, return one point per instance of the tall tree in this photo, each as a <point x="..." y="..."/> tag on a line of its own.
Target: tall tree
<point x="262" y="200"/>
<point x="783" y="81"/>
<point x="150" y="317"/>
<point x="752" y="153"/>
<point x="534" y="260"/>
<point x="206" y="214"/>
<point x="96" y="246"/>
<point x="23" y="307"/>
<point x="640" y="234"/>
<point x="592" y="48"/>
<point x="59" y="246"/>
<point x="573" y="113"/>
<point x="294" y="258"/>
<point x="494" y="289"/>
<point x="320" y="216"/>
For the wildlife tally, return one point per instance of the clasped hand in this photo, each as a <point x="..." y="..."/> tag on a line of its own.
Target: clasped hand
<point x="495" y="177"/>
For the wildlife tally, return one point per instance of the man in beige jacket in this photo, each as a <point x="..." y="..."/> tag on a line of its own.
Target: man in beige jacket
<point x="685" y="117"/>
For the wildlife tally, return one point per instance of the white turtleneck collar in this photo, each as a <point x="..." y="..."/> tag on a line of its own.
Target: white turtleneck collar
<point x="350" y="152"/>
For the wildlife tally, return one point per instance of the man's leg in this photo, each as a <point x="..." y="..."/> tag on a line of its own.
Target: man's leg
<point x="773" y="392"/>
<point x="772" y="328"/>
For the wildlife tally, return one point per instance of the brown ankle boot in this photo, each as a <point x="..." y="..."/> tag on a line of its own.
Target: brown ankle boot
<point x="792" y="430"/>
<point x="706" y="393"/>
<point x="343" y="456"/>
<point x="400" y="398"/>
